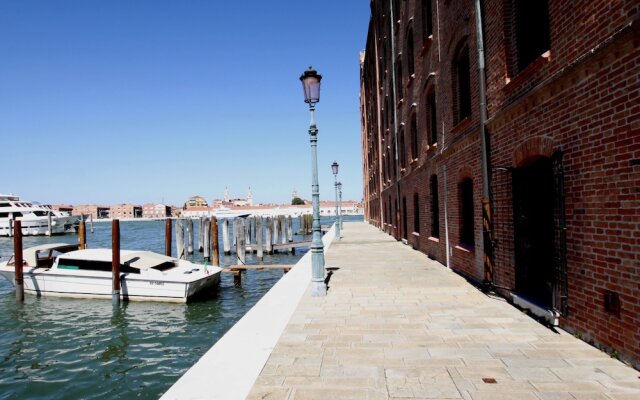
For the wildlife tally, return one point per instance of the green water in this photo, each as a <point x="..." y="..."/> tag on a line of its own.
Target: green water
<point x="56" y="348"/>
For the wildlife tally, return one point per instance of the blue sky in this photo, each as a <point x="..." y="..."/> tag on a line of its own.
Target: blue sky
<point x="144" y="101"/>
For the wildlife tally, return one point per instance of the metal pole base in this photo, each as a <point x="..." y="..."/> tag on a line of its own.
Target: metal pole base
<point x="19" y="293"/>
<point x="318" y="289"/>
<point x="115" y="297"/>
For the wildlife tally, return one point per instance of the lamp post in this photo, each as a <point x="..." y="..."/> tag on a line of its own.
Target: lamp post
<point x="311" y="86"/>
<point x="340" y="204"/>
<point x="334" y="169"/>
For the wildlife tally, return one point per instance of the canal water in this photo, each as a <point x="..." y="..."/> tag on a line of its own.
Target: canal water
<point x="56" y="348"/>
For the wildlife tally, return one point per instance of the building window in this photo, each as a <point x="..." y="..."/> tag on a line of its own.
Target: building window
<point x="531" y="31"/>
<point x="427" y="19"/>
<point x="466" y="212"/>
<point x="461" y="84"/>
<point x="414" y="137"/>
<point x="432" y="123"/>
<point x="410" y="60"/>
<point x="416" y="213"/>
<point x="402" y="151"/>
<point x="399" y="93"/>
<point x="435" y="207"/>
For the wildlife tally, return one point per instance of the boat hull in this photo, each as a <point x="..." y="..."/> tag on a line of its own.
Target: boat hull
<point x="39" y="226"/>
<point x="44" y="283"/>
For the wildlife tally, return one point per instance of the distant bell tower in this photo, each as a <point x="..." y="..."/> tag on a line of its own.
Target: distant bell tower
<point x="250" y="197"/>
<point x="226" y="195"/>
<point x="294" y="194"/>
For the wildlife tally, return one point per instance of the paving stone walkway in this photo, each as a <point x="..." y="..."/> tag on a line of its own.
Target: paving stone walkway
<point x="397" y="325"/>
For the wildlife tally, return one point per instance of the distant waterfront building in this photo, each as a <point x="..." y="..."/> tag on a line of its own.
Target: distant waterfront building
<point x="63" y="208"/>
<point x="151" y="210"/>
<point x="196" y="201"/>
<point x="125" y="211"/>
<point x="92" y="210"/>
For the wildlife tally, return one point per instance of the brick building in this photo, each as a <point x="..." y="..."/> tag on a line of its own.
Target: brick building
<point x="151" y="210"/>
<point x="121" y="211"/>
<point x="562" y="149"/>
<point x="92" y="210"/>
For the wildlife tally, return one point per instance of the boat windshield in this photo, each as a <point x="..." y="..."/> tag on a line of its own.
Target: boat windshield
<point x="92" y="265"/>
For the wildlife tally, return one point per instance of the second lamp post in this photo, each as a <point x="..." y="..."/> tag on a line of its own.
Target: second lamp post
<point x="334" y="169"/>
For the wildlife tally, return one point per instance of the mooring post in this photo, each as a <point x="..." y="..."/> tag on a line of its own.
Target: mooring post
<point x="180" y="240"/>
<point x="247" y="232"/>
<point x="241" y="244"/>
<point x="259" y="249"/>
<point x="289" y="228"/>
<point x="267" y="239"/>
<point x="49" y="224"/>
<point x="11" y="227"/>
<point x="276" y="231"/>
<point x="206" y="240"/>
<point x="18" y="258"/>
<point x="115" y="261"/>
<point x="283" y="227"/>
<point x="235" y="234"/>
<point x="167" y="237"/>
<point x="82" y="233"/>
<point x="201" y="235"/>
<point x="190" y="236"/>
<point x="226" y="246"/>
<point x="91" y="222"/>
<point x="215" y="245"/>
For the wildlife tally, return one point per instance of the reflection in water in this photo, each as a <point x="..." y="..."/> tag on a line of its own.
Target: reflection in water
<point x="60" y="348"/>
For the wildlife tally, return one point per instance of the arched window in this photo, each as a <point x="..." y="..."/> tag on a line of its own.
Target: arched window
<point x="399" y="93"/>
<point x="531" y="31"/>
<point x="402" y="150"/>
<point x="414" y="137"/>
<point x="410" y="58"/>
<point x="432" y="124"/>
<point x="466" y="213"/>
<point x="461" y="83"/>
<point x="435" y="207"/>
<point x="427" y="19"/>
<point x="416" y="213"/>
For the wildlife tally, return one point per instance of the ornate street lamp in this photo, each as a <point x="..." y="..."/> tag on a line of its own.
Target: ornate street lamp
<point x="311" y="86"/>
<point x="334" y="168"/>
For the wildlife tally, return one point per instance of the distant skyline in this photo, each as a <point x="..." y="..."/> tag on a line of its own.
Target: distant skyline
<point x="145" y="101"/>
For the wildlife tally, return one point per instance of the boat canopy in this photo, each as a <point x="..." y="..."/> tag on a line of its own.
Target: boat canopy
<point x="30" y="254"/>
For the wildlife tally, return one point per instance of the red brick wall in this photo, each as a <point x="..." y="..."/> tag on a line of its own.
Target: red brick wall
<point x="582" y="98"/>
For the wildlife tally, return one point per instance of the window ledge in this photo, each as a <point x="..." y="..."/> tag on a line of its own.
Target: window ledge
<point x="413" y="161"/>
<point x="465" y="248"/>
<point x="400" y="102"/>
<point x="412" y="77"/>
<point x="461" y="125"/>
<point x="417" y="234"/>
<point x="426" y="45"/>
<point x="434" y="239"/>
<point x="529" y="70"/>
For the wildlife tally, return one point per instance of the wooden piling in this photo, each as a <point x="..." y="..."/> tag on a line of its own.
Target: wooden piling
<point x="241" y="243"/>
<point x="11" y="225"/>
<point x="190" y="236"/>
<point x="259" y="247"/>
<point x="115" y="261"/>
<point x="206" y="239"/>
<point x="91" y="222"/>
<point x="215" y="245"/>
<point x="247" y="232"/>
<point x="82" y="234"/>
<point x="283" y="228"/>
<point x="226" y="246"/>
<point x="201" y="234"/>
<point x="235" y="227"/>
<point x="289" y="228"/>
<point x="18" y="258"/>
<point x="167" y="237"/>
<point x="180" y="249"/>
<point x="268" y="233"/>
<point x="276" y="230"/>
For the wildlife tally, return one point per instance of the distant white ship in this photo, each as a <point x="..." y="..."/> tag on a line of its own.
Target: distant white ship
<point x="34" y="218"/>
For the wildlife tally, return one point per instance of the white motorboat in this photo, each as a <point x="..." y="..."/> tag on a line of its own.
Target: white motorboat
<point x="62" y="270"/>
<point x="35" y="218"/>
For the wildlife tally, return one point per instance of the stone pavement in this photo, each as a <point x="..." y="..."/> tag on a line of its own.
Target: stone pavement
<point x="397" y="325"/>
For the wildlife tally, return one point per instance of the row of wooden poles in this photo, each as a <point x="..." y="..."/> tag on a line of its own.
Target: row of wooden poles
<point x="244" y="230"/>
